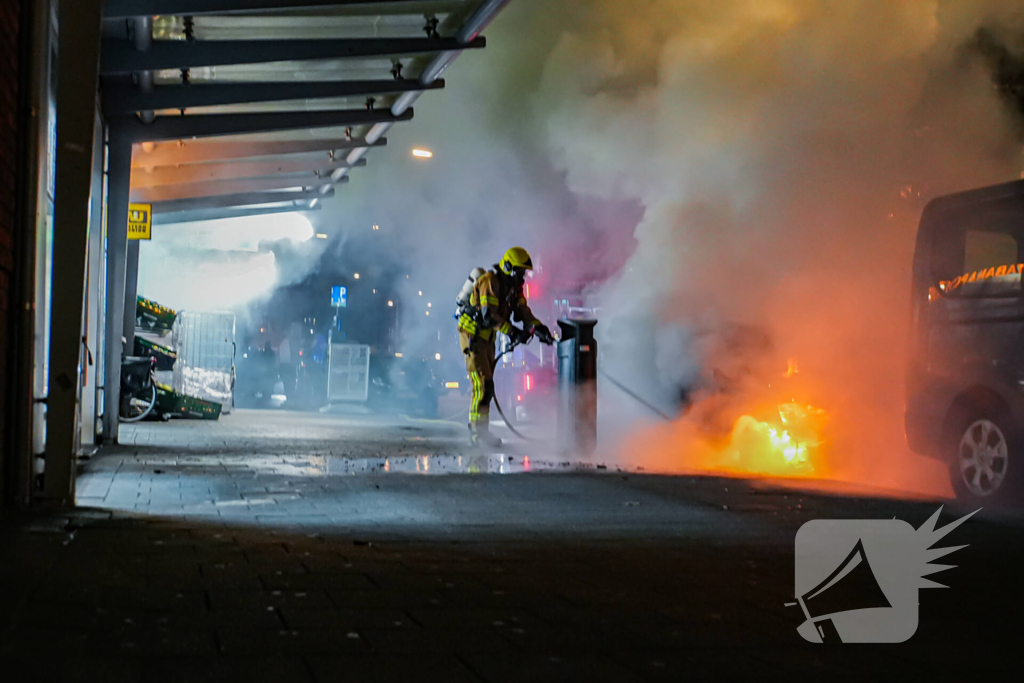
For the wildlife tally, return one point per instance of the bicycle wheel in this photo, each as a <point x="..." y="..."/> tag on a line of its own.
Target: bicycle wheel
<point x="135" y="408"/>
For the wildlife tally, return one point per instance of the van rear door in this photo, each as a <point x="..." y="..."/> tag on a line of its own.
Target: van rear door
<point x="975" y="309"/>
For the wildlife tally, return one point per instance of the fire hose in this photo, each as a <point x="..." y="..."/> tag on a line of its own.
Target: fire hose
<point x="508" y="424"/>
<point x="622" y="387"/>
<point x="626" y="390"/>
<point x="497" y="404"/>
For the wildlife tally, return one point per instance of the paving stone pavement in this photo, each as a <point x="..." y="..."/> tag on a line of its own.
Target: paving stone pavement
<point x="195" y="565"/>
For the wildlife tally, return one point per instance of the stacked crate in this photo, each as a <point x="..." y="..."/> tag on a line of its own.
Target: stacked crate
<point x="154" y="326"/>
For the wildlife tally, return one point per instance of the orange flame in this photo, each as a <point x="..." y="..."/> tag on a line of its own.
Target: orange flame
<point x="787" y="448"/>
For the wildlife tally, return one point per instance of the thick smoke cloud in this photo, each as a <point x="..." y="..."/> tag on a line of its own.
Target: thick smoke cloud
<point x="782" y="151"/>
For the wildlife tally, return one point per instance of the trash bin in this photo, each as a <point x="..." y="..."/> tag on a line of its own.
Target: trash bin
<point x="577" y="387"/>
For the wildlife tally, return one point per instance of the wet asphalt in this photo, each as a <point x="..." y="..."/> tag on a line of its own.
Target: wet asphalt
<point x="284" y="546"/>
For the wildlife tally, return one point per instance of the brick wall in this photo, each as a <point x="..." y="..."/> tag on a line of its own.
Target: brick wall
<point x="9" y="13"/>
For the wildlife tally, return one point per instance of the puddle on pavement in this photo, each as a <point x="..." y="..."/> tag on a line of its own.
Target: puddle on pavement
<point x="485" y="463"/>
<point x="330" y="465"/>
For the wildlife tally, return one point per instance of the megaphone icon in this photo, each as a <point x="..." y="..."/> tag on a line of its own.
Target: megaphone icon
<point x="851" y="586"/>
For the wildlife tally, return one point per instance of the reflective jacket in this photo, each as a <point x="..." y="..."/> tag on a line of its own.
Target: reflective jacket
<point x="501" y="302"/>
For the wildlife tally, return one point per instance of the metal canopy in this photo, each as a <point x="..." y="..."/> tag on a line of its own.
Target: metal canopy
<point x="264" y="75"/>
<point x="214" y="125"/>
<point x="120" y="96"/>
<point x="218" y="214"/>
<point x="236" y="200"/>
<point x="201" y="151"/>
<point x="163" y="193"/>
<point x="120" y="57"/>
<point x="195" y="173"/>
<point x="126" y="9"/>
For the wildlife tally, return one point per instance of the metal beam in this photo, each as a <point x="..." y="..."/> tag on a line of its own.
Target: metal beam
<point x="164" y="193"/>
<point x="121" y="57"/>
<point x="92" y="369"/>
<point x="119" y="154"/>
<point x="121" y="96"/>
<point x="122" y="9"/>
<point x="213" y="125"/>
<point x="485" y="13"/>
<point x="201" y="151"/>
<point x="234" y="200"/>
<point x="218" y="214"/>
<point x="131" y="293"/>
<point x="238" y="170"/>
<point x="77" y="79"/>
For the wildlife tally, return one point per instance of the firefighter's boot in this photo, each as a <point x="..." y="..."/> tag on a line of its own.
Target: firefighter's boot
<point x="480" y="435"/>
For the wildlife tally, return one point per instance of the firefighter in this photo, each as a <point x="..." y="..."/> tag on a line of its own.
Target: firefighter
<point x="496" y="300"/>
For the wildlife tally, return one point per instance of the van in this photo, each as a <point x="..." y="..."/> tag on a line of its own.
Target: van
<point x="965" y="370"/>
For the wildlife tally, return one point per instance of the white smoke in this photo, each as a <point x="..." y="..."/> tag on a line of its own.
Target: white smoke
<point x="216" y="265"/>
<point x="782" y="151"/>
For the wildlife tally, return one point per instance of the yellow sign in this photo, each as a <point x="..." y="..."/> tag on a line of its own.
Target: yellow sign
<point x="140" y="221"/>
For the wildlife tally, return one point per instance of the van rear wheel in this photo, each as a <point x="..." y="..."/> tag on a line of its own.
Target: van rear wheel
<point x="979" y="467"/>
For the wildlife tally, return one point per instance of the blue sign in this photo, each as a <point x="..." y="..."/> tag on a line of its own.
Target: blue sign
<point x="339" y="297"/>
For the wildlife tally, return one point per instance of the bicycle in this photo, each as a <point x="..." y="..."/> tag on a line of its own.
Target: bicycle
<point x="138" y="390"/>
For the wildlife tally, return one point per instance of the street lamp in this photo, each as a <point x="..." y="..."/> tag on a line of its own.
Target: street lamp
<point x="423" y="153"/>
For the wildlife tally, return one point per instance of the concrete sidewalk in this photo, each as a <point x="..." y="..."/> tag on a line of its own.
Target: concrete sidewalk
<point x="233" y="568"/>
<point x="303" y="547"/>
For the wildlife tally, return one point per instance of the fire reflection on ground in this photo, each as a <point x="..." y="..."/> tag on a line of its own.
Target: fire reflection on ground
<point x="428" y="463"/>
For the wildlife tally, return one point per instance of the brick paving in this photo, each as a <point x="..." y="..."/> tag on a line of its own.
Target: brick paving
<point x="196" y="566"/>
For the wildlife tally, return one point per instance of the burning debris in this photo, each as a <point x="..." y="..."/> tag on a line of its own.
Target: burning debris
<point x="788" y="447"/>
<point x="784" y="437"/>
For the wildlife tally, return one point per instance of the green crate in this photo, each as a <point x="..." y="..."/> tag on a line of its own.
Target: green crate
<point x="165" y="357"/>
<point x="172" y="403"/>
<point x="152" y="316"/>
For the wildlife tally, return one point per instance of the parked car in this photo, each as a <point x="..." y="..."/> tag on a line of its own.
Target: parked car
<point x="965" y="373"/>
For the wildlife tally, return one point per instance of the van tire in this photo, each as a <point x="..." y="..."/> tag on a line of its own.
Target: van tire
<point x="983" y="456"/>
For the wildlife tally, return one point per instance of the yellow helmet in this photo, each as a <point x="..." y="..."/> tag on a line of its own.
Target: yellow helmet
<point x="516" y="257"/>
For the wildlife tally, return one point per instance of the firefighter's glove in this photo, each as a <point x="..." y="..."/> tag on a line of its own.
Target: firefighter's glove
<point x="544" y="334"/>
<point x="520" y="336"/>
